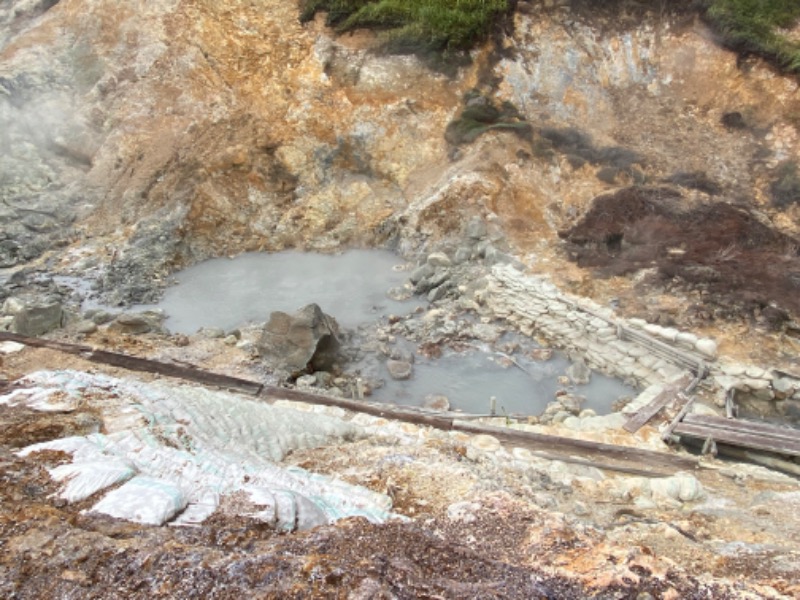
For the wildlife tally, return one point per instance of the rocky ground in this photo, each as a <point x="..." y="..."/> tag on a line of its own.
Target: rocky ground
<point x="617" y="152"/>
<point x="485" y="522"/>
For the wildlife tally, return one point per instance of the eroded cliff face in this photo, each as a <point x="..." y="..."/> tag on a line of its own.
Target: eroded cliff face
<point x="152" y="135"/>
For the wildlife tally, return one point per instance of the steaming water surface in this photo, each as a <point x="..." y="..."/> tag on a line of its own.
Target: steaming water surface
<point x="228" y="293"/>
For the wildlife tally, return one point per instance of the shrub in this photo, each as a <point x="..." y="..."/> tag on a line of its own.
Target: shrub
<point x="755" y="26"/>
<point x="414" y="26"/>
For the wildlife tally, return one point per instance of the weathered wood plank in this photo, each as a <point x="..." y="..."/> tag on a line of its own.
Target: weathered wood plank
<point x="7" y="336"/>
<point x="735" y="438"/>
<point x="684" y="358"/>
<point x="386" y="411"/>
<point x="687" y="403"/>
<point x="134" y="363"/>
<point x="645" y="458"/>
<point x="652" y="408"/>
<point x="745" y="426"/>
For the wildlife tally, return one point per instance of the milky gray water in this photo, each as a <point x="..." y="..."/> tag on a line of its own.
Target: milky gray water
<point x="228" y="293"/>
<point x="470" y="379"/>
<point x="352" y="287"/>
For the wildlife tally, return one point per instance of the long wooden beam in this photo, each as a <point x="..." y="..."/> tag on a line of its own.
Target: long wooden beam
<point x="571" y="450"/>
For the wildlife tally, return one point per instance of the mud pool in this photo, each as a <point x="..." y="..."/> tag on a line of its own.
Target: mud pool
<point x="228" y="293"/>
<point x="352" y="286"/>
<point x="523" y="387"/>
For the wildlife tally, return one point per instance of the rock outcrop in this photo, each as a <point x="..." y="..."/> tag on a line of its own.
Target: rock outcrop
<point x="305" y="340"/>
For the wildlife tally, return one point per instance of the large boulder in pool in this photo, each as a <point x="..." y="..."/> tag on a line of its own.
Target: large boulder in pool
<point x="305" y="341"/>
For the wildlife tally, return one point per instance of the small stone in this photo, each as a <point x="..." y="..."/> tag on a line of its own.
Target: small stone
<point x="306" y="381"/>
<point x="543" y="354"/>
<point x="100" y="317"/>
<point x="13" y="305"/>
<point x="756" y="384"/>
<point x="11" y="347"/>
<point x="783" y="388"/>
<point x="463" y="512"/>
<point x="230" y="340"/>
<point x="437" y="402"/>
<point x="439" y="259"/>
<point x="733" y="369"/>
<point x="248" y="347"/>
<point x="86" y="327"/>
<point x="462" y="255"/>
<point x="399" y="369"/>
<point x="37" y="318"/>
<point x="686" y="339"/>
<point x="706" y="347"/>
<point x="580" y="509"/>
<point x="438" y="293"/>
<point x="726" y="382"/>
<point x="134" y="324"/>
<point x="571" y="403"/>
<point x="476" y="229"/>
<point x="485" y="443"/>
<point x="420" y="273"/>
<point x="579" y="373"/>
<point x="212" y="333"/>
<point x="561" y="416"/>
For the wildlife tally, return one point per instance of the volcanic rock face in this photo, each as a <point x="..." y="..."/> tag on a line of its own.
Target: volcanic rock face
<point x="163" y="133"/>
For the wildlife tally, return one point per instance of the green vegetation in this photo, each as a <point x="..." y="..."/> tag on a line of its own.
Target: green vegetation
<point x="759" y="26"/>
<point x="785" y="187"/>
<point x="414" y="26"/>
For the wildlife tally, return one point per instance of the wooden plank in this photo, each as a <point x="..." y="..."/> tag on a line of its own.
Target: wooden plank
<point x="684" y="358"/>
<point x="735" y="438"/>
<point x="386" y="411"/>
<point x="651" y="409"/>
<point x="7" y="336"/>
<point x="745" y="426"/>
<point x="564" y="444"/>
<point x="687" y="403"/>
<point x="768" y="460"/>
<point x="134" y="363"/>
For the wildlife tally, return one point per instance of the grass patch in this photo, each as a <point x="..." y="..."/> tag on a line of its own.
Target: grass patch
<point x="414" y="26"/>
<point x="759" y="27"/>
